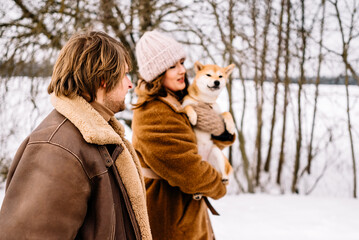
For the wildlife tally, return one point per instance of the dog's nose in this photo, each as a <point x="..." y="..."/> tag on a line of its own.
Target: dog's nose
<point x="216" y="83"/>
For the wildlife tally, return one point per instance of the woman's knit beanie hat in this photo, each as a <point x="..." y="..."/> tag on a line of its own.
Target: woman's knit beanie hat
<point x="155" y="53"/>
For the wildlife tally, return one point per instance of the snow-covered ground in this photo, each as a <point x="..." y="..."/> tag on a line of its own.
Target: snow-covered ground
<point x="283" y="217"/>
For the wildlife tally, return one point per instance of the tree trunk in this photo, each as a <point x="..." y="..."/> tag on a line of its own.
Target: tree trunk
<point x="261" y="99"/>
<point x="242" y="142"/>
<point x="276" y="82"/>
<point x="317" y="81"/>
<point x="254" y="11"/>
<point x="350" y="135"/>
<point x="346" y="44"/>
<point x="300" y="87"/>
<point x="286" y="89"/>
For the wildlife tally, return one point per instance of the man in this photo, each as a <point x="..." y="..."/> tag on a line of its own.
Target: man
<point x="75" y="176"/>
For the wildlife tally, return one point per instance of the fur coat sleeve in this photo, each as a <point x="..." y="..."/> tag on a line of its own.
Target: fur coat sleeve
<point x="166" y="143"/>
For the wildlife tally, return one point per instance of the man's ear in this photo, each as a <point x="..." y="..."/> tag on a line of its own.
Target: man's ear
<point x="198" y="66"/>
<point x="100" y="93"/>
<point x="103" y="84"/>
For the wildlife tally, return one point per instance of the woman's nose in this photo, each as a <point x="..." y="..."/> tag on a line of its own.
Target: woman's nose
<point x="130" y="85"/>
<point x="182" y="69"/>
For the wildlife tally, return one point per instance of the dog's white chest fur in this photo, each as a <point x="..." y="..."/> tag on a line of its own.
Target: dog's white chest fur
<point x="204" y="143"/>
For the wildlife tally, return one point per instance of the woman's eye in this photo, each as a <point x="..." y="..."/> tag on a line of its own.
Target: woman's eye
<point x="209" y="75"/>
<point x="172" y="67"/>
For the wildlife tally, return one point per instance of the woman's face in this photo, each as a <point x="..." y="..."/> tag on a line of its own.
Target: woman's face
<point x="174" y="77"/>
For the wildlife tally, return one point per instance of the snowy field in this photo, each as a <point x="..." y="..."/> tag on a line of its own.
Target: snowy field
<point x="332" y="173"/>
<point x="284" y="217"/>
<point x="27" y="103"/>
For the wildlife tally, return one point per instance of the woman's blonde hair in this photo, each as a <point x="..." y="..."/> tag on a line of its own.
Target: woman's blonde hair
<point x="148" y="91"/>
<point x="87" y="61"/>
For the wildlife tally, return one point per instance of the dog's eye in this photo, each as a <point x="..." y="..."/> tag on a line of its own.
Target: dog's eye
<point x="220" y="76"/>
<point x="208" y="75"/>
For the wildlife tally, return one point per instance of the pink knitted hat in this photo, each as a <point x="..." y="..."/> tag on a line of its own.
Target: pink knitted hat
<point x="155" y="53"/>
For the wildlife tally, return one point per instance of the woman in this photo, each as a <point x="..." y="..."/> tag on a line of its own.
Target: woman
<point x="166" y="145"/>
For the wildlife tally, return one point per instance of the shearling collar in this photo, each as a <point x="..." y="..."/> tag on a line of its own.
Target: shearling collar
<point x="90" y="123"/>
<point x="96" y="130"/>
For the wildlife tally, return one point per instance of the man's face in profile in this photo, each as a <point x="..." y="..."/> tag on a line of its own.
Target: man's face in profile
<point x="115" y="99"/>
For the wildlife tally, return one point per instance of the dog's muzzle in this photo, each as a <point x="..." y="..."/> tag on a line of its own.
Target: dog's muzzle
<point x="215" y="85"/>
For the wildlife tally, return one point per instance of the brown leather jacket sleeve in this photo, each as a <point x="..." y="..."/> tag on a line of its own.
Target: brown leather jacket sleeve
<point x="46" y="195"/>
<point x="166" y="142"/>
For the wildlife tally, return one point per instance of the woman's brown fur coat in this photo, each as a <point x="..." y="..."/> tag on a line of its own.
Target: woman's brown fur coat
<point x="165" y="142"/>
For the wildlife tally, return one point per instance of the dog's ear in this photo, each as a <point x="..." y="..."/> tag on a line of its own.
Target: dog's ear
<point x="229" y="69"/>
<point x="198" y="66"/>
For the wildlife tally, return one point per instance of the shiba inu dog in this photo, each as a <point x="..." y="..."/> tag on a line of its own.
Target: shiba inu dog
<point x="209" y="81"/>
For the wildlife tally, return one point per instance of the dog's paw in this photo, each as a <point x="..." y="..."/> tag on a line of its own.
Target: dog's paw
<point x="193" y="119"/>
<point x="225" y="181"/>
<point x="197" y="196"/>
<point x="191" y="114"/>
<point x="228" y="120"/>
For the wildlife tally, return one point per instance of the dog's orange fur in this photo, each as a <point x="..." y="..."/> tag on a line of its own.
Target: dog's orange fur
<point x="204" y="89"/>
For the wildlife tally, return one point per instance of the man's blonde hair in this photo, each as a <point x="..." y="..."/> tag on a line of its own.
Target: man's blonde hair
<point x="87" y="61"/>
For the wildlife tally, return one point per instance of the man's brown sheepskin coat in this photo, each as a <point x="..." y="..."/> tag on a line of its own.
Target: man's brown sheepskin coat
<point x="63" y="183"/>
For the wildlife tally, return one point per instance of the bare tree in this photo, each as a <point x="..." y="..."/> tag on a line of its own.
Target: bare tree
<point x="228" y="57"/>
<point x="286" y="90"/>
<point x="276" y="83"/>
<point x="351" y="135"/>
<point x="301" y="81"/>
<point x="241" y="138"/>
<point x="38" y="29"/>
<point x="345" y="52"/>
<point x="254" y="16"/>
<point x="261" y="98"/>
<point x="317" y="81"/>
